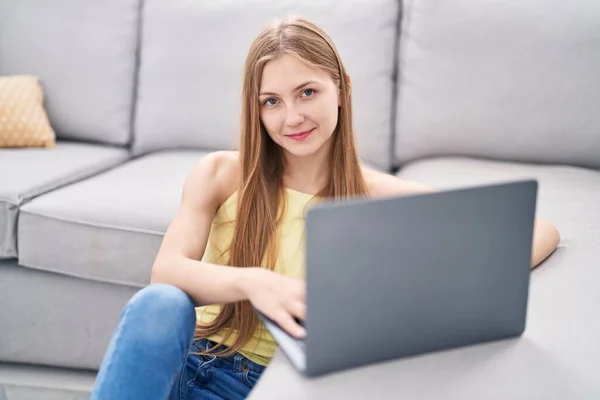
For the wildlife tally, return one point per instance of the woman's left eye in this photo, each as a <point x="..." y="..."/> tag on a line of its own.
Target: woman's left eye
<point x="308" y="92"/>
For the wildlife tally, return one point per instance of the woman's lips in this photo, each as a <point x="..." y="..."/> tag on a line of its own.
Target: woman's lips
<point x="300" y="135"/>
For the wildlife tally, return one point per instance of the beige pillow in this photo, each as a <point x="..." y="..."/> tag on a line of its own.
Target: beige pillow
<point x="23" y="119"/>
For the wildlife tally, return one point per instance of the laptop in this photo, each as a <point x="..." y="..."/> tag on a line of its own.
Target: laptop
<point x="401" y="276"/>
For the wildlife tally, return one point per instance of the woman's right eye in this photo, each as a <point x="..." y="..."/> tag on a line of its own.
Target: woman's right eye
<point x="270" y="102"/>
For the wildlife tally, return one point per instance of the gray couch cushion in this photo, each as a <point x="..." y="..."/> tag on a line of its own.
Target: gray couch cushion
<point x="515" y="80"/>
<point x="107" y="228"/>
<point x="84" y="54"/>
<point x="191" y="68"/>
<point x="56" y="320"/>
<point x="26" y="173"/>
<point x="568" y="196"/>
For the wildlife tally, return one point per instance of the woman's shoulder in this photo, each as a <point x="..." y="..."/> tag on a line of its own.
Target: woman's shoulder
<point x="217" y="175"/>
<point x="383" y="184"/>
<point x="375" y="181"/>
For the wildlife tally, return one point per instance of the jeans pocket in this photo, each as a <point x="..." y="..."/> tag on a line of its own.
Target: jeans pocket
<point x="196" y="372"/>
<point x="250" y="377"/>
<point x="202" y="369"/>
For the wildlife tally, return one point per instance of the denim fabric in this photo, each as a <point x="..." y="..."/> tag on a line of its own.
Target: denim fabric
<point x="209" y="377"/>
<point x="151" y="355"/>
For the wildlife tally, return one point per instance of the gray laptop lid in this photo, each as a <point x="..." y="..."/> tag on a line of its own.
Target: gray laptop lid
<point x="395" y="277"/>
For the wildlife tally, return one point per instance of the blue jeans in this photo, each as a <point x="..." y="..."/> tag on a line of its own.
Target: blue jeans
<point x="150" y="355"/>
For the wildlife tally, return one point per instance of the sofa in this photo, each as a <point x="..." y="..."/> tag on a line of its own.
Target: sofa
<point x="450" y="93"/>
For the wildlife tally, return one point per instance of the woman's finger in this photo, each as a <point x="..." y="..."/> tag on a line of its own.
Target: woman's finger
<point x="286" y="321"/>
<point x="298" y="309"/>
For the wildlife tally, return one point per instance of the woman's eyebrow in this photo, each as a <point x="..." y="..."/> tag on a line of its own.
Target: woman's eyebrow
<point x="296" y="88"/>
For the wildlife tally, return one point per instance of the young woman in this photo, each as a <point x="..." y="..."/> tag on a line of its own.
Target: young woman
<point x="236" y="241"/>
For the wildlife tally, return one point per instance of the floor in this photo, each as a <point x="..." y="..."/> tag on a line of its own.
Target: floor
<point x="56" y="378"/>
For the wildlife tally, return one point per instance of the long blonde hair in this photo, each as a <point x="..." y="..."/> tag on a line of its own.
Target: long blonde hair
<point x="261" y="188"/>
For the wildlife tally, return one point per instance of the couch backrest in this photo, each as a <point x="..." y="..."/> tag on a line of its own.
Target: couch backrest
<point x="192" y="57"/>
<point x="84" y="52"/>
<point x="512" y="80"/>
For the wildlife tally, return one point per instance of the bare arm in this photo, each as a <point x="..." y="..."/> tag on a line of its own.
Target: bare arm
<point x="183" y="245"/>
<point x="545" y="240"/>
<point x="545" y="235"/>
<point x="178" y="263"/>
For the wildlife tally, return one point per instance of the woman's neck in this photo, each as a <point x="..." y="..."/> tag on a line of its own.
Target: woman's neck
<point x="307" y="174"/>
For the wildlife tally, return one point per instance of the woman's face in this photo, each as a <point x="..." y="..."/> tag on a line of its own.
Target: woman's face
<point x="298" y="105"/>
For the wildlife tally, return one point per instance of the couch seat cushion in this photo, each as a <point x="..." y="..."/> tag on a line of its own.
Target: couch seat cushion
<point x="569" y="196"/>
<point x="563" y="316"/>
<point x="107" y="228"/>
<point x="27" y="173"/>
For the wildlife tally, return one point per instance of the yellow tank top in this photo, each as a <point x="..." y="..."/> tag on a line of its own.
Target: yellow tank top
<point x="290" y="262"/>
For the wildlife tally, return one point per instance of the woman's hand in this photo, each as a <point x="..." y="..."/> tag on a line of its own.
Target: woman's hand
<point x="278" y="297"/>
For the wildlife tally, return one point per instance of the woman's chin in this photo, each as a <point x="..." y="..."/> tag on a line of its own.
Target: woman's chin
<point x="301" y="151"/>
<point x="306" y="149"/>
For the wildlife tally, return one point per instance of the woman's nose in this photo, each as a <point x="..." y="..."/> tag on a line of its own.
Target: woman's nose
<point x="293" y="117"/>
